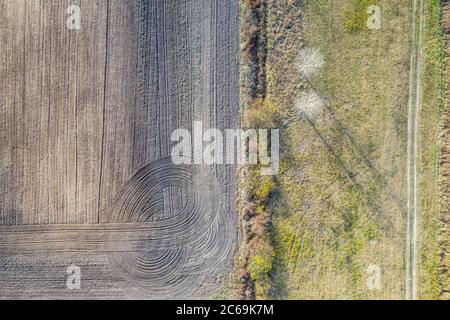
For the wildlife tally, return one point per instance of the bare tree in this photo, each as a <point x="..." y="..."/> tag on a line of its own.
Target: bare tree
<point x="309" y="62"/>
<point x="309" y="105"/>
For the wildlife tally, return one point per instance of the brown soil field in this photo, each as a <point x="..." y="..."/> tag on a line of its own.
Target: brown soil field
<point x="86" y="118"/>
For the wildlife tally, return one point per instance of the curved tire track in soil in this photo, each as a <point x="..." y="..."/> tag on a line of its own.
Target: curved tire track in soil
<point x="200" y="237"/>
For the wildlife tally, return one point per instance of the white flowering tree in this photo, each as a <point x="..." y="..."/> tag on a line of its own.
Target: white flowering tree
<point x="309" y="105"/>
<point x="309" y="62"/>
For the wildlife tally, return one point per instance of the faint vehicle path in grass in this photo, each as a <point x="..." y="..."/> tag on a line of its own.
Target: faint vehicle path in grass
<point x="412" y="151"/>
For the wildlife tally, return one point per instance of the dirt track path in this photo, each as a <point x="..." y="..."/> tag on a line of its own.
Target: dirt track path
<point x="83" y="115"/>
<point x="414" y="101"/>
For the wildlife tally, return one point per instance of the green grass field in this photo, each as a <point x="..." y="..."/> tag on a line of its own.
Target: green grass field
<point x="339" y="212"/>
<point x="429" y="147"/>
<point x="338" y="205"/>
